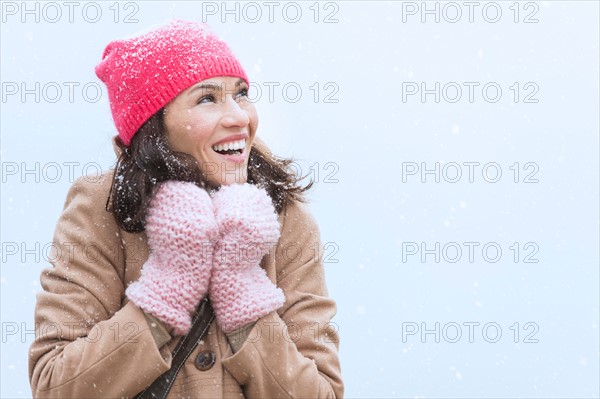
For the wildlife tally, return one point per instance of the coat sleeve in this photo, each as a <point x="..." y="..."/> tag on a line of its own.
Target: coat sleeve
<point x="293" y="353"/>
<point x="87" y="344"/>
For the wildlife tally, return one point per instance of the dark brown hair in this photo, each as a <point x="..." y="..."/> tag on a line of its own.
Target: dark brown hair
<point x="148" y="161"/>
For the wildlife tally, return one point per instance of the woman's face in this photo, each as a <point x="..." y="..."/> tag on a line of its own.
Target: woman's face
<point x="215" y="122"/>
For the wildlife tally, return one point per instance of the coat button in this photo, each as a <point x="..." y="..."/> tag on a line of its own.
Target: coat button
<point x="205" y="360"/>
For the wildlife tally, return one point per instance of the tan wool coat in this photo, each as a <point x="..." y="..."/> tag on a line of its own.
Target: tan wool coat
<point x="92" y="343"/>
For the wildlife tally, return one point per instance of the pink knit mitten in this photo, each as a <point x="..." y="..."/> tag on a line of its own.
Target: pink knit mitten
<point x="240" y="291"/>
<point x="181" y="230"/>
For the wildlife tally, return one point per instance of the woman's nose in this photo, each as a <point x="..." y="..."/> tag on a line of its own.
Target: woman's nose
<point x="234" y="115"/>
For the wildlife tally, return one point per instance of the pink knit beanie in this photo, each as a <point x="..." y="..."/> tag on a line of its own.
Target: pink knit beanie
<point x="143" y="73"/>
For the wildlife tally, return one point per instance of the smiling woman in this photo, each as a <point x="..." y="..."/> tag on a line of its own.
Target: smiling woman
<point x="192" y="288"/>
<point x="214" y="122"/>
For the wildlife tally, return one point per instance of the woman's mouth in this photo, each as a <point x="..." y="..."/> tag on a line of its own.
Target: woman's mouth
<point x="232" y="148"/>
<point x="233" y="151"/>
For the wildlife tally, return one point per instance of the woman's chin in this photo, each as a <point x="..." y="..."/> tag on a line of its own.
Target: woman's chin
<point x="229" y="180"/>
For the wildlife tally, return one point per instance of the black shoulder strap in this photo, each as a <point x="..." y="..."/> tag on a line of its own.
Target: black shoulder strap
<point x="202" y="318"/>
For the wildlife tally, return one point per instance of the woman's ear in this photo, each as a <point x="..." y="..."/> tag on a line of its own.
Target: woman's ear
<point x="116" y="146"/>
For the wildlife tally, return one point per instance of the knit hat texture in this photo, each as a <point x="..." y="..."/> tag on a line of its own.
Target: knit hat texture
<point x="145" y="72"/>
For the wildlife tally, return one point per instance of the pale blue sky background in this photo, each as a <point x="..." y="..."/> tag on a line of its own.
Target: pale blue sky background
<point x="360" y="146"/>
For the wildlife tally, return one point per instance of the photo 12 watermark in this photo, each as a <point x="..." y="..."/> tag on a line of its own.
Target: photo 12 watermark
<point x="136" y="252"/>
<point x="469" y="172"/>
<point x="54" y="12"/>
<point x="453" y="12"/>
<point x="128" y="332"/>
<point x="469" y="332"/>
<point x="91" y="92"/>
<point x="469" y="251"/>
<point x="326" y="172"/>
<point x="51" y="92"/>
<point x="469" y="92"/>
<point x="291" y="12"/>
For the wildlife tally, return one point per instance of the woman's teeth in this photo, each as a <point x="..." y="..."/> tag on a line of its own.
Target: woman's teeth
<point x="231" y="147"/>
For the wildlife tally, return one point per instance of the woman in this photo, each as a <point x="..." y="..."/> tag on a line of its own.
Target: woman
<point x="196" y="208"/>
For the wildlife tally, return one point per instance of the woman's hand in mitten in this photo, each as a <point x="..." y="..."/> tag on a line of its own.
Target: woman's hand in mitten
<point x="240" y="291"/>
<point x="181" y="231"/>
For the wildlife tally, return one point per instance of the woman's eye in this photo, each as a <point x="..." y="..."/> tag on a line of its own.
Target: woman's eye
<point x="205" y="99"/>
<point x="243" y="93"/>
